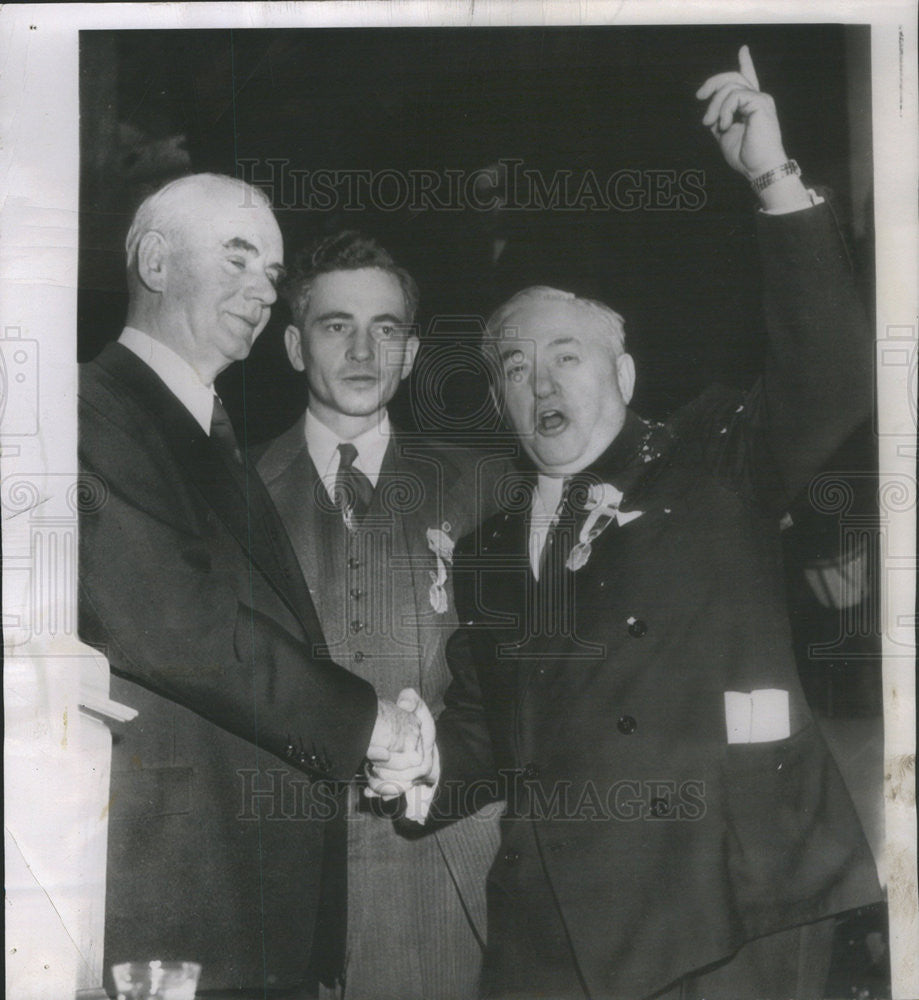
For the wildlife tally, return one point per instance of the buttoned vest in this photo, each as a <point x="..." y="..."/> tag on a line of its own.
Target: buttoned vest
<point x="362" y="585"/>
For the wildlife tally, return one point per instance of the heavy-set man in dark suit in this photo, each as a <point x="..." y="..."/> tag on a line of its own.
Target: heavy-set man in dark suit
<point x="222" y="787"/>
<point x="624" y="671"/>
<point x="372" y="513"/>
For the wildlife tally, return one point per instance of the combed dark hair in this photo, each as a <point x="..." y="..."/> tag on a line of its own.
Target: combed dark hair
<point x="347" y="250"/>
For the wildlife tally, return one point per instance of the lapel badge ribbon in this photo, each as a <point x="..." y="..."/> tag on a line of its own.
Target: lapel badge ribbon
<point x="603" y="501"/>
<point x="441" y="544"/>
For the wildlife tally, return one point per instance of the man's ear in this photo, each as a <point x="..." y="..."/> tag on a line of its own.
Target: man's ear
<point x="152" y="255"/>
<point x="412" y="343"/>
<point x="625" y="376"/>
<point x="294" y="344"/>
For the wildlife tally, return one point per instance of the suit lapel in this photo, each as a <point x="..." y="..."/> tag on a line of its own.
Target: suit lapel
<point x="431" y="477"/>
<point x="291" y="478"/>
<point x="238" y="499"/>
<point x="544" y="610"/>
<point x="505" y="581"/>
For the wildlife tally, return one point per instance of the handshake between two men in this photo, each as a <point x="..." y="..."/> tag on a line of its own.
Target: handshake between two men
<point x="402" y="755"/>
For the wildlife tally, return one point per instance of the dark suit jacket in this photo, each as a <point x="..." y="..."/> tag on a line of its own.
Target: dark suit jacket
<point x="600" y="692"/>
<point x="189" y="586"/>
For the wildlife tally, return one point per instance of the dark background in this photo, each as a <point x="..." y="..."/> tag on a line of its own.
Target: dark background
<point x="155" y="104"/>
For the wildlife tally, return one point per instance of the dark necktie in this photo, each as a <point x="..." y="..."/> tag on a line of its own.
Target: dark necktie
<point x="569" y="519"/>
<point x="353" y="490"/>
<point x="549" y="556"/>
<point x="222" y="434"/>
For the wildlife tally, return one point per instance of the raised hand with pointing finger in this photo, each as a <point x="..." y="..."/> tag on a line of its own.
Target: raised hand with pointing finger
<point x="745" y="124"/>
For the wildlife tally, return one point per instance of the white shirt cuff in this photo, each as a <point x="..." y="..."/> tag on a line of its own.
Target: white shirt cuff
<point x="418" y="798"/>
<point x="811" y="193"/>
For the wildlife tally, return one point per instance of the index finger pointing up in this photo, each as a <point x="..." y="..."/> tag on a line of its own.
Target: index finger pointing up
<point x="719" y="80"/>
<point x="746" y="66"/>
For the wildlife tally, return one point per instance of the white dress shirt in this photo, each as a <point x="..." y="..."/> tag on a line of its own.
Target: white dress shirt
<point x="181" y="379"/>
<point x="547" y="496"/>
<point x="322" y="444"/>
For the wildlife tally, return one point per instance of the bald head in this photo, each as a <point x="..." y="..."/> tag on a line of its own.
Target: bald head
<point x="174" y="206"/>
<point x="204" y="256"/>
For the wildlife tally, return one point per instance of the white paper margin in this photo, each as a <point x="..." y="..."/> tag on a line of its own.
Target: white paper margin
<point x="39" y="161"/>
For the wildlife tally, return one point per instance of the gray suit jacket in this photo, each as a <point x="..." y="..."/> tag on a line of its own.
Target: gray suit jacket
<point x="430" y="485"/>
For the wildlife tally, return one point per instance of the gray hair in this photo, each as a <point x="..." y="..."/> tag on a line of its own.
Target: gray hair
<point x="166" y="210"/>
<point x="500" y="319"/>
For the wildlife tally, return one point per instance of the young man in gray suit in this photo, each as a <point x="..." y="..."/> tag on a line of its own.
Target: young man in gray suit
<point x="372" y="514"/>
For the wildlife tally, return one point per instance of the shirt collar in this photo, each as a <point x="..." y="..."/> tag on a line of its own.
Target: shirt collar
<point x="178" y="375"/>
<point x="547" y="495"/>
<point x="322" y="444"/>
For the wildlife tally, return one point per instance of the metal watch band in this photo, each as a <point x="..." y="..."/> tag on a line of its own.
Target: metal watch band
<point x="787" y="169"/>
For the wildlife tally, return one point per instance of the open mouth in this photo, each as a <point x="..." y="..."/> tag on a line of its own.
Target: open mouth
<point x="551" y="422"/>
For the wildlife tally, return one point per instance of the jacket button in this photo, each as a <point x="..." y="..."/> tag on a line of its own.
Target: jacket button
<point x="626" y="725"/>
<point x="531" y="772"/>
<point x="357" y="593"/>
<point x="354" y="563"/>
<point x="637" y="629"/>
<point x="356" y="627"/>
<point x="358" y="656"/>
<point x="511" y="856"/>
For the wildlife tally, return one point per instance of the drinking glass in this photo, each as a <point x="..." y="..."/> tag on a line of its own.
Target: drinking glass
<point x="156" y="980"/>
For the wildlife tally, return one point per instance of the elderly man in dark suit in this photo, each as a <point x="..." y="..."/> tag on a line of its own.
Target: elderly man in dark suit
<point x="372" y="513"/>
<point x="222" y="789"/>
<point x="624" y="672"/>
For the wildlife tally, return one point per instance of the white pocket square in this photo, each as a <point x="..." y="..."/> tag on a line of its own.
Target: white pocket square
<point x="758" y="716"/>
